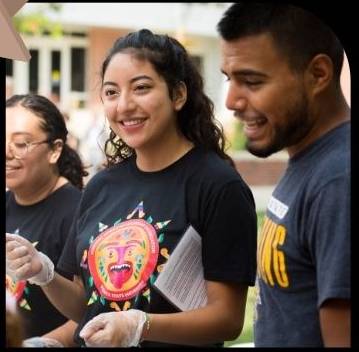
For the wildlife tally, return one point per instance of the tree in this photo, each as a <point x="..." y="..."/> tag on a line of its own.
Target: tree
<point x="37" y="22"/>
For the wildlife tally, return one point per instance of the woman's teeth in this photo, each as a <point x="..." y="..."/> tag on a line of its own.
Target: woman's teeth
<point x="132" y="122"/>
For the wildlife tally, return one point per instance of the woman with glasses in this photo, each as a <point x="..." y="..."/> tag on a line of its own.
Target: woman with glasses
<point x="44" y="178"/>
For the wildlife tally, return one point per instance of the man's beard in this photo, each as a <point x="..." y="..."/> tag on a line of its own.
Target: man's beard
<point x="286" y="133"/>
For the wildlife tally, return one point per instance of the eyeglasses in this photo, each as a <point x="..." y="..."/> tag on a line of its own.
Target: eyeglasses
<point x="20" y="149"/>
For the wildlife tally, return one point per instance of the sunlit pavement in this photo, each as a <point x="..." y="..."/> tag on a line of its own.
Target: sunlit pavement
<point x="249" y="344"/>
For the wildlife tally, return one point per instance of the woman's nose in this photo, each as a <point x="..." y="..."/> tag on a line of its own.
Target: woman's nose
<point x="125" y="103"/>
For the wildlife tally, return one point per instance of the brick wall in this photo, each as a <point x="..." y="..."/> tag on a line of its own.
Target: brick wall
<point x="261" y="172"/>
<point x="101" y="40"/>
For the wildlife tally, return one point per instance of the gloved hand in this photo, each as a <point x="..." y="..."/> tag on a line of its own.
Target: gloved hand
<point x="114" y="329"/>
<point x="39" y="341"/>
<point x="10" y="302"/>
<point x="11" y="273"/>
<point x="24" y="262"/>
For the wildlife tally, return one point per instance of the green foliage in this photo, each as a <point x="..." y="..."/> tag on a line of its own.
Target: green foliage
<point x="38" y="23"/>
<point x="247" y="331"/>
<point x="56" y="7"/>
<point x="260" y="220"/>
<point x="238" y="139"/>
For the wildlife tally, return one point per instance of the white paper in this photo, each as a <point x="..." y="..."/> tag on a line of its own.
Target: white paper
<point x="181" y="280"/>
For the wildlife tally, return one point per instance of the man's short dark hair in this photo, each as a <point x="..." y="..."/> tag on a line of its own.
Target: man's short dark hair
<point x="298" y="34"/>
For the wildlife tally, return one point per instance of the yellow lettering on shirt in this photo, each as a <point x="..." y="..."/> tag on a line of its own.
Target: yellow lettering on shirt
<point x="271" y="260"/>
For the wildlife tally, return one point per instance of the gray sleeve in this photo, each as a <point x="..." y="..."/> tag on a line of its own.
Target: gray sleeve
<point x="329" y="239"/>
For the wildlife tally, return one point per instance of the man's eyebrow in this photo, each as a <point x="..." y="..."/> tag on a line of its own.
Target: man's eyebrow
<point x="247" y="72"/>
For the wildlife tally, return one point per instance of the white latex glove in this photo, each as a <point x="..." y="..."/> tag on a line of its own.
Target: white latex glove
<point x="114" y="329"/>
<point x="10" y="302"/>
<point x="39" y="341"/>
<point x="24" y="262"/>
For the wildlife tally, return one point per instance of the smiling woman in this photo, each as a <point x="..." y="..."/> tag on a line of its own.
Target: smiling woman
<point x="42" y="176"/>
<point x="167" y="169"/>
<point x="139" y="108"/>
<point x="36" y="135"/>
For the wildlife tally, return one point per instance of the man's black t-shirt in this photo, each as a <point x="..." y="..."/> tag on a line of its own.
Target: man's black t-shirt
<point x="46" y="225"/>
<point x="129" y="222"/>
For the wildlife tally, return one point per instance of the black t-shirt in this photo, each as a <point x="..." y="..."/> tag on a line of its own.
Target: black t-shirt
<point x="46" y="224"/>
<point x="129" y="222"/>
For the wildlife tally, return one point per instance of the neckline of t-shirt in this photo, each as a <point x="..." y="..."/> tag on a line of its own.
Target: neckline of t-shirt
<point x="167" y="169"/>
<point x="316" y="144"/>
<point x="67" y="184"/>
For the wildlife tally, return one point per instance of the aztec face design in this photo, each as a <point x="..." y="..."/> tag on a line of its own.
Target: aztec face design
<point x="16" y="288"/>
<point x="122" y="258"/>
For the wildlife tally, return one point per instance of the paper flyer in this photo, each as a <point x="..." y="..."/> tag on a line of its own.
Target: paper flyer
<point x="181" y="280"/>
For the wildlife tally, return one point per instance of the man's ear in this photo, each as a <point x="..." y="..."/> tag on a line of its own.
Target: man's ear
<point x="55" y="153"/>
<point x="179" y="96"/>
<point x="319" y="73"/>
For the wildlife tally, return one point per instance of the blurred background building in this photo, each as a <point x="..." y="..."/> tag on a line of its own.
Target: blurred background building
<point x="69" y="41"/>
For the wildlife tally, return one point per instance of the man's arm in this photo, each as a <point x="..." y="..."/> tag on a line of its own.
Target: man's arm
<point x="335" y="322"/>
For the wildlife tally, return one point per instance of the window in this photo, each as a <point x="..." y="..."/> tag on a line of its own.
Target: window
<point x="34" y="72"/>
<point x="78" y="69"/>
<point x="9" y="67"/>
<point x="55" y="72"/>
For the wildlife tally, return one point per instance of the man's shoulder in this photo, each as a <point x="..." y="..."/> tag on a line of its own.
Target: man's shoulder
<point x="329" y="157"/>
<point x="334" y="160"/>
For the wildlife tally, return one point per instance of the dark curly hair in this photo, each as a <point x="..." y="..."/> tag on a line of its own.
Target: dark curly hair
<point x="170" y="59"/>
<point x="53" y="123"/>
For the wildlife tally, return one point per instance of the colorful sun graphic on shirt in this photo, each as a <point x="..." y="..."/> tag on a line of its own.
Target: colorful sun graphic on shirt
<point x="123" y="257"/>
<point x="16" y="288"/>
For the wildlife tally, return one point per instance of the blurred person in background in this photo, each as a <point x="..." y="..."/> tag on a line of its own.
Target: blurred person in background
<point x="14" y="328"/>
<point x="44" y="180"/>
<point x="283" y="66"/>
<point x="72" y="140"/>
<point x="167" y="168"/>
